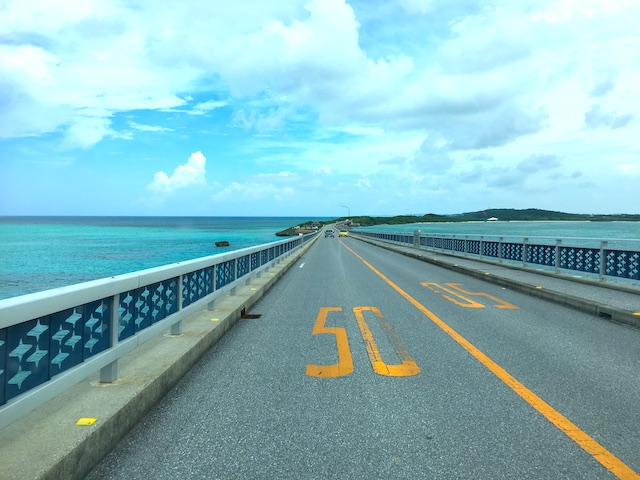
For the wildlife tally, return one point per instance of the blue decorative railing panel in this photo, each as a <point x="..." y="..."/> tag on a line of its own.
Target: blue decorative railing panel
<point x="624" y="264"/>
<point x="473" y="247"/>
<point x="512" y="251"/>
<point x="225" y="273"/>
<point x="39" y="349"/>
<point x="27" y="349"/>
<point x="243" y="266"/>
<point x="196" y="285"/>
<point x="255" y="260"/>
<point x="491" y="249"/>
<point x="541" y="255"/>
<point x="580" y="259"/>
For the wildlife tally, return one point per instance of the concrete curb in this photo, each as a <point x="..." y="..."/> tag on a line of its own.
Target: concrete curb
<point x="601" y="310"/>
<point x="146" y="375"/>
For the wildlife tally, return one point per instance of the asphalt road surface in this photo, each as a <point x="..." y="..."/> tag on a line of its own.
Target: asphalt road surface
<point x="365" y="363"/>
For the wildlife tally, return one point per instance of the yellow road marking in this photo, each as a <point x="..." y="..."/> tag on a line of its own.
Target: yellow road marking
<point x="591" y="446"/>
<point x="501" y="303"/>
<point x="345" y="362"/>
<point x="407" y="368"/>
<point x="434" y="287"/>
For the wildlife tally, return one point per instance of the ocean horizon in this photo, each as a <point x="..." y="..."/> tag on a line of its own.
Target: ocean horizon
<point x="39" y="253"/>
<point x="43" y="252"/>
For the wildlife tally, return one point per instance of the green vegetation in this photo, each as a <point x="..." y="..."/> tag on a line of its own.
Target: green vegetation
<point x="502" y="214"/>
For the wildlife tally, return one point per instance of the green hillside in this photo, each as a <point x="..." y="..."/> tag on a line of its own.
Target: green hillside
<point x="502" y="214"/>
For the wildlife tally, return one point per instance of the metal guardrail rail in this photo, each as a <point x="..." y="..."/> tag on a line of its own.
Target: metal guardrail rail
<point x="593" y="257"/>
<point x="53" y="339"/>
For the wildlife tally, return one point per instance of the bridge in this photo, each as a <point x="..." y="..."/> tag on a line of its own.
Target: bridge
<point x="368" y="357"/>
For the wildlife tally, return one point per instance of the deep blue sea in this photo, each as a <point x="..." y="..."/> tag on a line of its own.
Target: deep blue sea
<point x="40" y="253"/>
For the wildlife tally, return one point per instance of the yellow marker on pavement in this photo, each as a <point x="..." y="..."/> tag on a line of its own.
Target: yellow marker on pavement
<point x="85" y="422"/>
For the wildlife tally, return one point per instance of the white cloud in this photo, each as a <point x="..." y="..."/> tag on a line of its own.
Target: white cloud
<point x="86" y="132"/>
<point x="191" y="173"/>
<point x="415" y="92"/>
<point x="149" y="128"/>
<point x="203" y="108"/>
<point x="362" y="183"/>
<point x="273" y="119"/>
<point x="252" y="192"/>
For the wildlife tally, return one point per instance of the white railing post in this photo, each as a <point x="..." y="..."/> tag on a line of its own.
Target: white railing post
<point x="525" y="251"/>
<point x="557" y="262"/>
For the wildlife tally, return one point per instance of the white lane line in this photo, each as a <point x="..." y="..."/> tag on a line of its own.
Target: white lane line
<point x="301" y="265"/>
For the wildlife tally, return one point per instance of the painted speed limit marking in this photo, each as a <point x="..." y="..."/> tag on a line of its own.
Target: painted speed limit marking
<point x="406" y="368"/>
<point x="454" y="294"/>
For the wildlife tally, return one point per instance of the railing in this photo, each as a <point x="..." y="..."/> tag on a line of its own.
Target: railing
<point x="592" y="257"/>
<point x="53" y="339"/>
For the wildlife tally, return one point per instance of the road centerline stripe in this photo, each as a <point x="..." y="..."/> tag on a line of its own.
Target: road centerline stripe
<point x="612" y="463"/>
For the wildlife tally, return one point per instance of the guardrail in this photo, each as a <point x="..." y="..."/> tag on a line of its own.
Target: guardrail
<point x="593" y="257"/>
<point x="53" y="339"/>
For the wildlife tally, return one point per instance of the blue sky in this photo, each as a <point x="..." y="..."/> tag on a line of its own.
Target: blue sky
<point x="318" y="107"/>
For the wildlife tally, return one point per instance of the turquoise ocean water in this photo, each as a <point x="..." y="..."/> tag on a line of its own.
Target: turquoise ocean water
<point x="39" y="253"/>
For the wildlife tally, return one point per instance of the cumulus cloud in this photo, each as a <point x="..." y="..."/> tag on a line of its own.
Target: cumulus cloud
<point x="191" y="173"/>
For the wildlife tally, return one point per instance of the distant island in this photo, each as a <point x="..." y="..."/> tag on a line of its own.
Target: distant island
<point x="493" y="214"/>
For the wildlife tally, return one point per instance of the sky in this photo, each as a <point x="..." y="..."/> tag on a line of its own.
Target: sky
<point x="322" y="108"/>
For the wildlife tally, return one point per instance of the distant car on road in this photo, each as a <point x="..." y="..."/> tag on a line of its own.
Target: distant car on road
<point x="343" y="233"/>
<point x="328" y="233"/>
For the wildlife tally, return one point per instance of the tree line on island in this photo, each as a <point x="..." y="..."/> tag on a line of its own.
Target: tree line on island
<point x="501" y="214"/>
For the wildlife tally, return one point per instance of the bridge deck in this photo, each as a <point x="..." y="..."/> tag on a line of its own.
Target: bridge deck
<point x="26" y="446"/>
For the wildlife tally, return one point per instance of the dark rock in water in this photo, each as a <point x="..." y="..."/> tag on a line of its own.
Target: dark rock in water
<point x="223" y="243"/>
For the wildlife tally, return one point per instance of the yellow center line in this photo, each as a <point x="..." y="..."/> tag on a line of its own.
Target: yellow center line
<point x="601" y="454"/>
